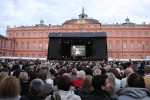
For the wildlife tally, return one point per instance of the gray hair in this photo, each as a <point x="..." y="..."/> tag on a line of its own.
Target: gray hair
<point x="36" y="86"/>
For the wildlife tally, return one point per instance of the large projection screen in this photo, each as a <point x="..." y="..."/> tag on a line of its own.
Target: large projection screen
<point x="78" y="50"/>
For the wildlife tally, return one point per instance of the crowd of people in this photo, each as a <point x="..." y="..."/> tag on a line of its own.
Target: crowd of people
<point x="74" y="80"/>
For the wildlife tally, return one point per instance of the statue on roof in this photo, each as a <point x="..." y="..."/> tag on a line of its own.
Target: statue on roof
<point x="82" y="15"/>
<point x="127" y="20"/>
<point x="41" y="22"/>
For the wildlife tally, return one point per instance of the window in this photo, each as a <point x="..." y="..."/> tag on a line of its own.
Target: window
<point x="117" y="33"/>
<point x="1" y="44"/>
<point x="17" y="34"/>
<point x="139" y="33"/>
<point x="27" y="55"/>
<point x="117" y="46"/>
<point x="132" y="46"/>
<point x="139" y="46"/>
<point x="34" y="34"/>
<point x="22" y="34"/>
<point x="124" y="33"/>
<point x="22" y="45"/>
<point x="40" y="55"/>
<point x="4" y="44"/>
<point x="124" y="57"/>
<point x="15" y="55"/>
<point x="28" y="45"/>
<point x="124" y="46"/>
<point x="33" y="55"/>
<point x="110" y="46"/>
<point x="131" y="33"/>
<point x="47" y="33"/>
<point x="16" y="45"/>
<point x="21" y="55"/>
<point x="28" y="34"/>
<point x="40" y="46"/>
<point x="46" y="46"/>
<point x="10" y="34"/>
<point x="34" y="45"/>
<point x="40" y="34"/>
<point x="109" y="33"/>
<point x="139" y="56"/>
<point x="146" y="46"/>
<point x="11" y="45"/>
<point x="146" y="33"/>
<point x="131" y="57"/>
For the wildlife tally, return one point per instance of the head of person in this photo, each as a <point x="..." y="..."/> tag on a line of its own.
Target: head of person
<point x="23" y="76"/>
<point x="147" y="69"/>
<point x="97" y="71"/>
<point x="87" y="84"/>
<point x="74" y="71"/>
<point x="135" y="80"/>
<point x="81" y="74"/>
<point x="128" y="71"/>
<point x="112" y="81"/>
<point x="36" y="87"/>
<point x="42" y="74"/>
<point x="3" y="75"/>
<point x="64" y="83"/>
<point x="9" y="87"/>
<point x="100" y="82"/>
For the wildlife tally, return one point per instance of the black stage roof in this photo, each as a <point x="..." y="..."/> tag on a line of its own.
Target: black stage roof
<point x="77" y="34"/>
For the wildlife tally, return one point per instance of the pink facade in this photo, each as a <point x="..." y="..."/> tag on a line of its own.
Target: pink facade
<point x="126" y="40"/>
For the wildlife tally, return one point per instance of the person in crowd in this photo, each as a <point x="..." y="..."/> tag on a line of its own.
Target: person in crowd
<point x="47" y="90"/>
<point x="3" y="74"/>
<point x="116" y="73"/>
<point x="147" y="76"/>
<point x="63" y="92"/>
<point x="36" y="91"/>
<point x="97" y="71"/>
<point x="78" y="82"/>
<point x="136" y="89"/>
<point x="73" y="75"/>
<point x="10" y="88"/>
<point x="100" y="84"/>
<point x="23" y="77"/>
<point x="86" y="89"/>
<point x="128" y="71"/>
<point x="112" y="86"/>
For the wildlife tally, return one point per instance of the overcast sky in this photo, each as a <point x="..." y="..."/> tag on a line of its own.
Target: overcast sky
<point x="30" y="12"/>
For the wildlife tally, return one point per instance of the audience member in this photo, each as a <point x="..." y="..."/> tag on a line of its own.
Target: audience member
<point x="63" y="92"/>
<point x="9" y="88"/>
<point x="100" y="84"/>
<point x="136" y="89"/>
<point x="147" y="76"/>
<point x="36" y="91"/>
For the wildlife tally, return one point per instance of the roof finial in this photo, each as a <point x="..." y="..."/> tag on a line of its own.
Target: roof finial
<point x="82" y="9"/>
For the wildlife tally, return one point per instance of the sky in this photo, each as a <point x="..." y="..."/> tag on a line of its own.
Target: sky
<point x="30" y="12"/>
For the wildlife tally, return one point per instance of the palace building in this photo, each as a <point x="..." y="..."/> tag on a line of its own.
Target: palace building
<point x="124" y="41"/>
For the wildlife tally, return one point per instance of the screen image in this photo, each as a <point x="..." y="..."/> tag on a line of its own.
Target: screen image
<point x="78" y="50"/>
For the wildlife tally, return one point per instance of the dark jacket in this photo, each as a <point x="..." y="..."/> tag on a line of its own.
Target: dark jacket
<point x="30" y="97"/>
<point x="24" y="88"/>
<point x="100" y="95"/>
